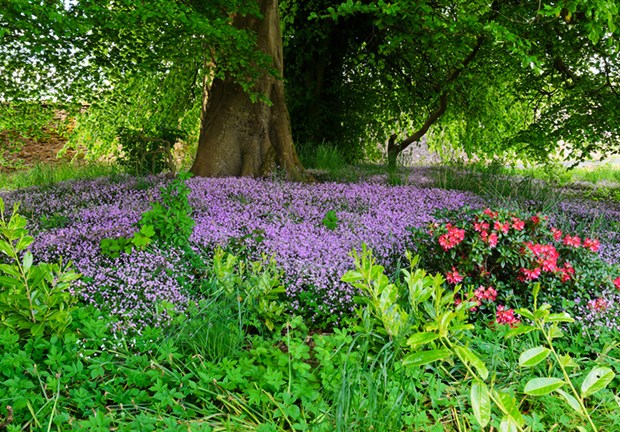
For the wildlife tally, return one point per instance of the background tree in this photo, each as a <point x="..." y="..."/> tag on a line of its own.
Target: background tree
<point x="483" y="74"/>
<point x="358" y="72"/>
<point x="89" y="49"/>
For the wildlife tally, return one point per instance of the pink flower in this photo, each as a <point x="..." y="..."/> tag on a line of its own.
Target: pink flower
<point x="557" y="234"/>
<point x="501" y="227"/>
<point x="492" y="214"/>
<point x="617" y="282"/>
<point x="492" y="240"/>
<point x="506" y="316"/>
<point x="572" y="241"/>
<point x="549" y="265"/>
<point x="598" y="305"/>
<point x="530" y="274"/>
<point x="481" y="226"/>
<point x="591" y="244"/>
<point x="454" y="277"/>
<point x="483" y="293"/>
<point x="567" y="272"/>
<point x="518" y="224"/>
<point x="453" y="237"/>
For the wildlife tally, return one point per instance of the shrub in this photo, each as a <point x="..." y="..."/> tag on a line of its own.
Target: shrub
<point x="35" y="299"/>
<point x="148" y="154"/>
<point x="499" y="254"/>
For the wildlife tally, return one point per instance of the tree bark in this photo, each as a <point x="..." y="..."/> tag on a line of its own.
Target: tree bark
<point x="239" y="137"/>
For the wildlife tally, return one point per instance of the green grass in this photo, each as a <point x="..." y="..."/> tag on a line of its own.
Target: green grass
<point x="44" y="175"/>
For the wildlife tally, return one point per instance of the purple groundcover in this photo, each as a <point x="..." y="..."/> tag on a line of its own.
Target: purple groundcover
<point x="270" y="217"/>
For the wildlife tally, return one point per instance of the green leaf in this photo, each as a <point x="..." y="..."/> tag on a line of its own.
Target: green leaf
<point x="27" y="261"/>
<point x="421" y="338"/>
<point x="533" y="356"/>
<point x="508" y="425"/>
<point x="596" y="380"/>
<point x="520" y="330"/>
<point x="509" y="403"/>
<point x="525" y="313"/>
<point x="481" y="402"/>
<point x="426" y="357"/>
<point x="351" y="276"/>
<point x="147" y="230"/>
<point x="570" y="400"/>
<point x="542" y="386"/>
<point x="23" y="243"/>
<point x="467" y="355"/>
<point x="560" y="317"/>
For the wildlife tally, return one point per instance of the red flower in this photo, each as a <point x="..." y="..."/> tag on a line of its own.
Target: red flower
<point x="453" y="237"/>
<point x="483" y="293"/>
<point x="572" y="241"/>
<point x="506" y="316"/>
<point x="591" y="244"/>
<point x="567" y="272"/>
<point x="518" y="224"/>
<point x="557" y="234"/>
<point x="492" y="240"/>
<point x="501" y="227"/>
<point x="454" y="277"/>
<point x="530" y="274"/>
<point x="598" y="305"/>
<point x="535" y="219"/>
<point x="490" y="213"/>
<point x="549" y="265"/>
<point x="617" y="282"/>
<point x="481" y="226"/>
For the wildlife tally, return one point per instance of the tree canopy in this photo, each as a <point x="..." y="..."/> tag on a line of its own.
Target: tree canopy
<point x="486" y="77"/>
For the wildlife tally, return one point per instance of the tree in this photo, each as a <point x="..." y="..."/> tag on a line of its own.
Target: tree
<point x="241" y="136"/>
<point x="484" y="73"/>
<point x="400" y="69"/>
<point x="88" y="48"/>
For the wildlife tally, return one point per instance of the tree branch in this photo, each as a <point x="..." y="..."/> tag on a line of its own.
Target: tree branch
<point x="433" y="116"/>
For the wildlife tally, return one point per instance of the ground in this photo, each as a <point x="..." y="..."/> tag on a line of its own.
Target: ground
<point x="20" y="152"/>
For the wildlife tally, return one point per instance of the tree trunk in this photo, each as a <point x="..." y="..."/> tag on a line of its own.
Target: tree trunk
<point x="239" y="137"/>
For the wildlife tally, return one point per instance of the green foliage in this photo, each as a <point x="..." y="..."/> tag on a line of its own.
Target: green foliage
<point x="256" y="286"/>
<point x="509" y="251"/>
<point x="548" y="324"/>
<point x="330" y="221"/>
<point x="34" y="299"/>
<point x="419" y="316"/>
<point x="168" y="223"/>
<point x="114" y="247"/>
<point x="46" y="175"/>
<point x="171" y="220"/>
<point x="141" y="154"/>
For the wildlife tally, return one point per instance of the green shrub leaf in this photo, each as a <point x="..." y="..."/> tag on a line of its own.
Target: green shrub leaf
<point x="533" y="356"/>
<point x="467" y="355"/>
<point x="481" y="402"/>
<point x="570" y="400"/>
<point x="542" y="386"/>
<point x="596" y="380"/>
<point x="421" y="338"/>
<point x="426" y="357"/>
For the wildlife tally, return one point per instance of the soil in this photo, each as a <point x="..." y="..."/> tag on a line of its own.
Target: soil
<point x="18" y="152"/>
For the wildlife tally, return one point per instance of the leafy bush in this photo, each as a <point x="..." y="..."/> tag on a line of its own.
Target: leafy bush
<point x="172" y="218"/>
<point x="35" y="299"/>
<point x="148" y="154"/>
<point x="168" y="223"/>
<point x="417" y="320"/>
<point x="501" y="253"/>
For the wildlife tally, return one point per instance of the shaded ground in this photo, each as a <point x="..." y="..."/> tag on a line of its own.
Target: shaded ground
<point x="18" y="152"/>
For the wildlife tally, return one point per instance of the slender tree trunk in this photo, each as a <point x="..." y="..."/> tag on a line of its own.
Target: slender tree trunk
<point x="239" y="137"/>
<point x="395" y="148"/>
